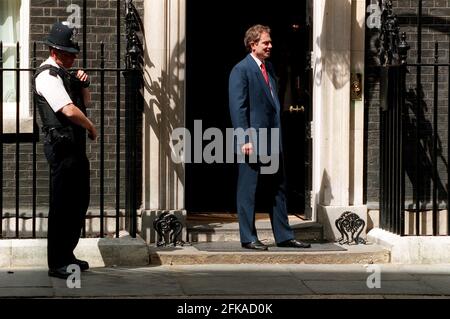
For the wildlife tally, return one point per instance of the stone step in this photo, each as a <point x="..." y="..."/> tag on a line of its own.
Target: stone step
<point x="225" y="227"/>
<point x="99" y="252"/>
<point x="217" y="253"/>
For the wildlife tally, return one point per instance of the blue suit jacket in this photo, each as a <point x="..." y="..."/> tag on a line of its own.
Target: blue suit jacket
<point x="250" y="101"/>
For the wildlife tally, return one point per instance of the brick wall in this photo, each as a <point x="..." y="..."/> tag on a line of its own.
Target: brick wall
<point x="101" y="27"/>
<point x="436" y="27"/>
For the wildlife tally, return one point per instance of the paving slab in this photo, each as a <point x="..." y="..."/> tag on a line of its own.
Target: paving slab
<point x="120" y="283"/>
<point x="360" y="287"/>
<point x="346" y="272"/>
<point x="231" y="281"/>
<point x="242" y="285"/>
<point x="27" y="292"/>
<point x="248" y="270"/>
<point x="421" y="297"/>
<point x="439" y="283"/>
<point x="24" y="278"/>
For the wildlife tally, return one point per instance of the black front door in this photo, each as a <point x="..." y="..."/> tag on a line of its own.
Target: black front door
<point x="295" y="74"/>
<point x="215" y="43"/>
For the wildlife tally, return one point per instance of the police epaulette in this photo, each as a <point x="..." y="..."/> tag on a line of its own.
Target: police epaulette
<point x="52" y="72"/>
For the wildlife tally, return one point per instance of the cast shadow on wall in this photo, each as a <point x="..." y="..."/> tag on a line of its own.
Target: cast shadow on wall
<point x="163" y="113"/>
<point x="420" y="172"/>
<point x="420" y="187"/>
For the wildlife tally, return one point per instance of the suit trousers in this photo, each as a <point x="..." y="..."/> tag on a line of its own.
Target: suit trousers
<point x="69" y="201"/>
<point x="275" y="189"/>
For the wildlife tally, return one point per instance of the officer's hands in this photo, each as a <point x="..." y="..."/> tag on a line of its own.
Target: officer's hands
<point x="92" y="133"/>
<point x="82" y="76"/>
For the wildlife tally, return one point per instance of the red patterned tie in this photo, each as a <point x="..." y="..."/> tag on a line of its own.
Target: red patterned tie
<point x="264" y="72"/>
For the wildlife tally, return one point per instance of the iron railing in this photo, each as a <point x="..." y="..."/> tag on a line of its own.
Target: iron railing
<point x="410" y="145"/>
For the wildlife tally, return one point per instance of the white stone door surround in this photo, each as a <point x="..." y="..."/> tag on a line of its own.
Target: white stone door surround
<point x="338" y="124"/>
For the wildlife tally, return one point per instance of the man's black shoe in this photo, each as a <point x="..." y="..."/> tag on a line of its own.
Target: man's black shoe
<point x="257" y="245"/>
<point x="292" y="243"/>
<point x="59" y="272"/>
<point x="84" y="265"/>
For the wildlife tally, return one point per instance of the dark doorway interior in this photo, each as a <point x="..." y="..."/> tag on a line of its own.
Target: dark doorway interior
<point x="215" y="33"/>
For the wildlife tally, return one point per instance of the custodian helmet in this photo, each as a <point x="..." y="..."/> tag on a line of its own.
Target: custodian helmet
<point x="61" y="38"/>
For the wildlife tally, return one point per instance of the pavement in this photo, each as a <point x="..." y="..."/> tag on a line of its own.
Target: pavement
<point x="241" y="281"/>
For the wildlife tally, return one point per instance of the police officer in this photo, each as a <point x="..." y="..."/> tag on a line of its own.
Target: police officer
<point x="61" y="98"/>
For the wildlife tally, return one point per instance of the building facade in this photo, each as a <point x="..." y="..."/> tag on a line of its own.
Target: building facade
<point x="326" y="64"/>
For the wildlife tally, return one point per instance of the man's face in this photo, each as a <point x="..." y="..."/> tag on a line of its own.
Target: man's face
<point x="64" y="59"/>
<point x="262" y="48"/>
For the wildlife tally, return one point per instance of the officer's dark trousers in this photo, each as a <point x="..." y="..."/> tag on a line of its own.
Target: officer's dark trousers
<point x="69" y="200"/>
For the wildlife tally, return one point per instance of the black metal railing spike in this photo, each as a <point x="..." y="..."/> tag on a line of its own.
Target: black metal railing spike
<point x="84" y="66"/>
<point x="389" y="51"/>
<point x="133" y="82"/>
<point x="118" y="117"/>
<point x="17" y="173"/>
<point x="134" y="45"/>
<point x="418" y="187"/>
<point x="34" y="149"/>
<point x="448" y="140"/>
<point x="85" y="34"/>
<point x="435" y="139"/>
<point x="102" y="139"/>
<point x="403" y="49"/>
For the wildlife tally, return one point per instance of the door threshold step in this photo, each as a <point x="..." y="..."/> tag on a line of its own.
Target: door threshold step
<point x="233" y="253"/>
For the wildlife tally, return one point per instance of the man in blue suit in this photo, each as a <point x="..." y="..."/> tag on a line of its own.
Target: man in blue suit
<point x="254" y="108"/>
